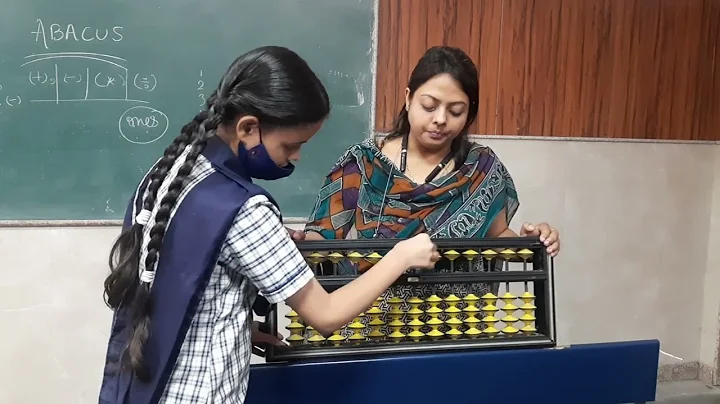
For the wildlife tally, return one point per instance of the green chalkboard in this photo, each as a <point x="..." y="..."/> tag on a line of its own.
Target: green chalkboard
<point x="91" y="92"/>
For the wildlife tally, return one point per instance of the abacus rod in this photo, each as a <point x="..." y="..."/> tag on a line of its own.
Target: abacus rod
<point x="271" y="320"/>
<point x="552" y="326"/>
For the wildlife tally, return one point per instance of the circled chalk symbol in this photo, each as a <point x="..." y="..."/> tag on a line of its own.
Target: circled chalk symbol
<point x="143" y="117"/>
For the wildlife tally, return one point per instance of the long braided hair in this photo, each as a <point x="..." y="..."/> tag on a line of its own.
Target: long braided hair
<point x="444" y="60"/>
<point x="271" y="83"/>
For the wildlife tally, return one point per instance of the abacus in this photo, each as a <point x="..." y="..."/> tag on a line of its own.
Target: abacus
<point x="431" y="310"/>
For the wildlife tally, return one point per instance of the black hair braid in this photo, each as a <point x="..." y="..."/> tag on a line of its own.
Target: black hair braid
<point x="142" y="304"/>
<point x="121" y="285"/>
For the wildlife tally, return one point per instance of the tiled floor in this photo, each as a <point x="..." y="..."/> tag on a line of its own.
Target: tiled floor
<point x="687" y="392"/>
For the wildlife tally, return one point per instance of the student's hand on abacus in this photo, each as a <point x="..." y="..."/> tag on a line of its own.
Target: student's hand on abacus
<point x="419" y="251"/>
<point x="259" y="337"/>
<point x="296" y="234"/>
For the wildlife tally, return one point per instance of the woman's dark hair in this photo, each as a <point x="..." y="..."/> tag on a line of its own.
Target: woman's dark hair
<point x="271" y="83"/>
<point x="444" y="60"/>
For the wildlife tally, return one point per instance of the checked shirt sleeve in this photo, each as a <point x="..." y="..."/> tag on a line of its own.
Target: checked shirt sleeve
<point x="265" y="253"/>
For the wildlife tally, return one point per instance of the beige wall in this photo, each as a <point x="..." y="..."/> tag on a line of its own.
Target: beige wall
<point x="710" y="321"/>
<point x="635" y="220"/>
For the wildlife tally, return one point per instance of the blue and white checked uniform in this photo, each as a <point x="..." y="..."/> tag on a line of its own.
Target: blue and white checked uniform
<point x="257" y="255"/>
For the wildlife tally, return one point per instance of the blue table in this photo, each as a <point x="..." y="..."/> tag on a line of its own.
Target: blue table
<point x="622" y="372"/>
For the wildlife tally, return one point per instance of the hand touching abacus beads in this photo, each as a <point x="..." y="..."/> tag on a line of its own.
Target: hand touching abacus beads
<point x="419" y="251"/>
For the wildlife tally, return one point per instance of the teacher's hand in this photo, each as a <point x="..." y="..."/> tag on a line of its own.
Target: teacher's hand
<point x="548" y="236"/>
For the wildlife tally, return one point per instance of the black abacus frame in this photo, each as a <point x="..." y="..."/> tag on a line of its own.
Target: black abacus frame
<point x="543" y="288"/>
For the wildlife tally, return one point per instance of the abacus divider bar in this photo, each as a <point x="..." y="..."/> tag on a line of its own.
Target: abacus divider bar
<point x="457" y="277"/>
<point x="445" y="243"/>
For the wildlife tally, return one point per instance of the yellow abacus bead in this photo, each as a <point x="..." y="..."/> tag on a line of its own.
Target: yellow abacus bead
<point x="491" y="331"/>
<point x="295" y="339"/>
<point x="315" y="258"/>
<point x="396" y="334"/>
<point x="434" y="333"/>
<point x="316" y="340"/>
<point x="508" y="297"/>
<point x="294" y="326"/>
<point x="473" y="332"/>
<point x="355" y="256"/>
<point x="490" y="309"/>
<point x="470" y="254"/>
<point x="507" y="253"/>
<point x="527" y="297"/>
<point x="373" y="258"/>
<point x="452" y="299"/>
<point x="489" y="298"/>
<point x="416" y="335"/>
<point x="525" y="254"/>
<point x="336" y="339"/>
<point x="452" y="255"/>
<point x="489" y="254"/>
<point x="335" y="257"/>
<point x="510" y="330"/>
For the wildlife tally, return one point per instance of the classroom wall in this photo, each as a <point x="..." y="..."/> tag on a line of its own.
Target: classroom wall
<point x="710" y="323"/>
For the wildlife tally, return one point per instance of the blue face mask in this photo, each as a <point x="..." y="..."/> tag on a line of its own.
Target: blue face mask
<point x="259" y="165"/>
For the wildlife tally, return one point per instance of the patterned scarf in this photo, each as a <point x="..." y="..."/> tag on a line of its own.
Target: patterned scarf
<point x="367" y="190"/>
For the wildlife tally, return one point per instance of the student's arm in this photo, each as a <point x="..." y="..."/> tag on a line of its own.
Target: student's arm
<point x="327" y="312"/>
<point x="264" y="253"/>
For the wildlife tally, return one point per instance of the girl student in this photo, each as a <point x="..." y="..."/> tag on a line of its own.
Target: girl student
<point x="200" y="241"/>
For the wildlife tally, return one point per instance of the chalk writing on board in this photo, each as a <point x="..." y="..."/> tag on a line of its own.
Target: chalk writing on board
<point x="353" y="87"/>
<point x="70" y="33"/>
<point x="9" y="100"/>
<point x="103" y="78"/>
<point x="147" y="83"/>
<point x="200" y="89"/>
<point x="143" y="125"/>
<point x="86" y="77"/>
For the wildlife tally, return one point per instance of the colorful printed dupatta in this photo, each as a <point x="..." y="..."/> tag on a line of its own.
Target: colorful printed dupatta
<point x="366" y="190"/>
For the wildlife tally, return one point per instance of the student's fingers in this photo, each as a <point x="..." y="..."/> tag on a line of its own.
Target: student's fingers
<point x="261" y="337"/>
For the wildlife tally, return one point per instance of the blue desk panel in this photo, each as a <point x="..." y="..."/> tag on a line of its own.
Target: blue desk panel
<point x="623" y="372"/>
